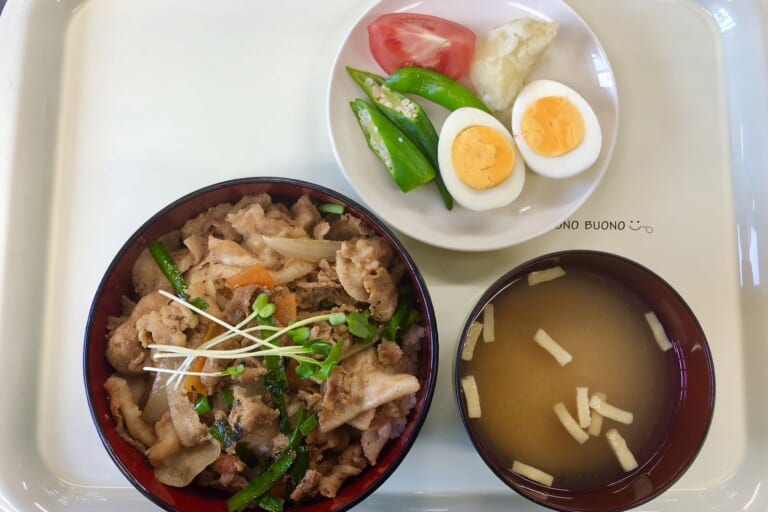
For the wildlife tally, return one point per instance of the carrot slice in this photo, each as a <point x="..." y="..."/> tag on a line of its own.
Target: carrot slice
<point x="193" y="383"/>
<point x="256" y="274"/>
<point x="286" y="308"/>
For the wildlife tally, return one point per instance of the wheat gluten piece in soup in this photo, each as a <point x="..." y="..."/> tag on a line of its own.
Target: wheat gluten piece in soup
<point x="265" y="339"/>
<point x="580" y="425"/>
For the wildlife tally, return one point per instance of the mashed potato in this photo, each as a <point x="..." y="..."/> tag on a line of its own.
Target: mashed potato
<point x="504" y="57"/>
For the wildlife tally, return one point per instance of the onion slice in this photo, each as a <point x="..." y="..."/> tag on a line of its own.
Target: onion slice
<point x="306" y="249"/>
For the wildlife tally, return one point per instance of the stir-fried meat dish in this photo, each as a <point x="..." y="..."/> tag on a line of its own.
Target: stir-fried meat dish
<point x="269" y="350"/>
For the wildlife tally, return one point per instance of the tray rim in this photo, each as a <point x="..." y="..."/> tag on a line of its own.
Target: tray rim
<point x="17" y="13"/>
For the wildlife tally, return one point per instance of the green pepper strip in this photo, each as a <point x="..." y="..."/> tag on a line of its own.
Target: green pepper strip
<point x="296" y="435"/>
<point x="413" y="316"/>
<point x="301" y="465"/>
<point x="394" y="327"/>
<point x="262" y="483"/>
<point x="406" y="114"/>
<point x="337" y="209"/>
<point x="435" y="87"/>
<point x="403" y="160"/>
<point x="164" y="260"/>
<point x="270" y="503"/>
<point x="276" y="382"/>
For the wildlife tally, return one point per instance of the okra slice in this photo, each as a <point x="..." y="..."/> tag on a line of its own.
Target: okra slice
<point x="403" y="160"/>
<point x="404" y="112"/>
<point x="408" y="115"/>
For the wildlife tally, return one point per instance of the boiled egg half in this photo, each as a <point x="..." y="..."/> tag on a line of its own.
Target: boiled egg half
<point x="479" y="162"/>
<point x="556" y="130"/>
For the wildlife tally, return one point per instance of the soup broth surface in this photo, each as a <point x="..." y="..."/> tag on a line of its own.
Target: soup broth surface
<point x="602" y="325"/>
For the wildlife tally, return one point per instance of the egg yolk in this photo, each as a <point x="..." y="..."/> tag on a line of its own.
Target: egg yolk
<point x="553" y="126"/>
<point x="482" y="157"/>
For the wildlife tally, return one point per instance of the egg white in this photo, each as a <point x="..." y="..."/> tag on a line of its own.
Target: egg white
<point x="575" y="161"/>
<point x="473" y="199"/>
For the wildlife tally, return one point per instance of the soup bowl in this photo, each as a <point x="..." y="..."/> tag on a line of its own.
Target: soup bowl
<point x="685" y="382"/>
<point x="116" y="284"/>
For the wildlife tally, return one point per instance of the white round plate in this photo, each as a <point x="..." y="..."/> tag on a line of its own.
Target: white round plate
<point x="575" y="58"/>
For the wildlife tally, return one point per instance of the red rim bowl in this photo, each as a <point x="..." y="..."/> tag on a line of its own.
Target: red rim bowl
<point x="688" y="416"/>
<point x="117" y="282"/>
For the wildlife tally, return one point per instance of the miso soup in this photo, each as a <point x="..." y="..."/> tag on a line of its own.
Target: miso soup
<point x="602" y="325"/>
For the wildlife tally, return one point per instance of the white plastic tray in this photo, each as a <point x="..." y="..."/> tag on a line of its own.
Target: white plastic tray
<point x="109" y="109"/>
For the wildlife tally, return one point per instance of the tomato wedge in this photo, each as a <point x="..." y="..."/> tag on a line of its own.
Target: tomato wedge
<point x="401" y="39"/>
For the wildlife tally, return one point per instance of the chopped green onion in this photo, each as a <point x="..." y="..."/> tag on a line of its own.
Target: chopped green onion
<point x="229" y="397"/>
<point x="246" y="455"/>
<point x="296" y="435"/>
<point x="331" y="208"/>
<point x="165" y="261"/>
<point x="395" y="324"/>
<point x="304" y="425"/>
<point x="224" y="434"/>
<point x="308" y="425"/>
<point x="202" y="405"/>
<point x="171" y="271"/>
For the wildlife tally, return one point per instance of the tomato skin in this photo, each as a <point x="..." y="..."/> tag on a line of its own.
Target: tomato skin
<point x="400" y="40"/>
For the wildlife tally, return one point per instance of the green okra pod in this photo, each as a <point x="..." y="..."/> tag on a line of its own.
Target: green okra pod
<point x="408" y="115"/>
<point x="435" y="87"/>
<point x="403" y="160"/>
